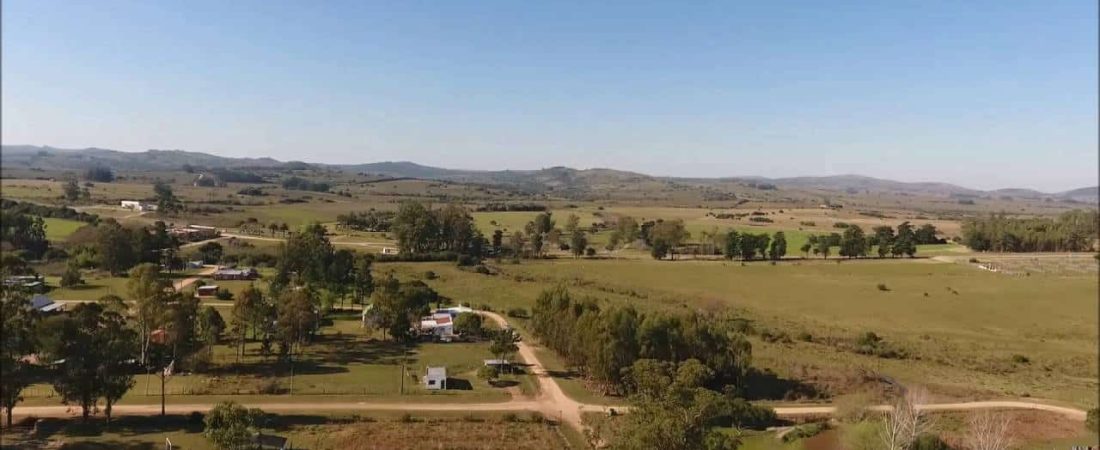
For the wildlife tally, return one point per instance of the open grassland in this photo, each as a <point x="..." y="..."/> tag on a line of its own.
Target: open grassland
<point x="370" y="430"/>
<point x="966" y="331"/>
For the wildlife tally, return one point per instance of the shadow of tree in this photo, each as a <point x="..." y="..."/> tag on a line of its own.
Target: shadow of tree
<point x="767" y="385"/>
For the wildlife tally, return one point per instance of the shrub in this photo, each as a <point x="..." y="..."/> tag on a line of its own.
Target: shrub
<point x="230" y="425"/>
<point x="518" y="313"/>
<point x="487" y="373"/>
<point x="882" y="287"/>
<point x="510" y="417"/>
<point x="480" y="268"/>
<point x="270" y="387"/>
<point x="223" y="294"/>
<point x="590" y="252"/>
<point x="805" y="336"/>
<point x="1020" y="359"/>
<point x="71" y="277"/>
<point x="974" y="260"/>
<point x="430" y="275"/>
<point x="405" y="418"/>
<point x="1092" y="420"/>
<point x="805" y="431"/>
<point x="929" y="441"/>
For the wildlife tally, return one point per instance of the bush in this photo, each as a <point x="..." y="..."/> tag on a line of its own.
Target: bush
<point x="805" y="431"/>
<point x="805" y="336"/>
<point x="1092" y="420"/>
<point x="223" y="294"/>
<point x="270" y="387"/>
<point x="882" y="287"/>
<point x="71" y="277"/>
<point x="974" y="260"/>
<point x="518" y="313"/>
<point x="480" y="268"/>
<point x="929" y="441"/>
<point x="1020" y="359"/>
<point x="487" y="373"/>
<point x="590" y="252"/>
<point x="430" y="275"/>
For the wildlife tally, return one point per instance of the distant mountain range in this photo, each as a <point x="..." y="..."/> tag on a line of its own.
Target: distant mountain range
<point x="558" y="178"/>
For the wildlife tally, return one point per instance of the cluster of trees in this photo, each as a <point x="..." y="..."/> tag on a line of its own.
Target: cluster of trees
<point x="1072" y="231"/>
<point x="34" y="209"/>
<point x="502" y="206"/>
<point x="748" y="246"/>
<point x="167" y="202"/>
<point x="366" y="221"/>
<point x="116" y="249"/>
<point x="99" y="174"/>
<point x="302" y="184"/>
<point x="420" y="229"/>
<point x="396" y="306"/>
<point x="72" y="191"/>
<point x="884" y="240"/>
<point x="309" y="260"/>
<point x="235" y="176"/>
<point x="24" y="233"/>
<point x="93" y="351"/>
<point x="602" y="342"/>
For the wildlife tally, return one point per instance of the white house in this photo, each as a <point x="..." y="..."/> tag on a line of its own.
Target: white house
<point x="438" y="325"/>
<point x="436" y="378"/>
<point x="138" y="205"/>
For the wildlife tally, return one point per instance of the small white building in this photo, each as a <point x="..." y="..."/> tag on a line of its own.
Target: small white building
<point x="138" y="205"/>
<point x="389" y="251"/>
<point x="436" y="378"/>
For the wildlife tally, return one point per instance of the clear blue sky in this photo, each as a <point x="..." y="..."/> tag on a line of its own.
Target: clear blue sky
<point x="985" y="94"/>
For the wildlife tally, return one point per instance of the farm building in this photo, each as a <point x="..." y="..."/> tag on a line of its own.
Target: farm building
<point x="454" y="311"/>
<point x="138" y="205"/>
<point x="208" y="290"/>
<point x="236" y="274"/>
<point x="436" y="378"/>
<point x="31" y="283"/>
<point x="389" y="251"/>
<point x="192" y="233"/>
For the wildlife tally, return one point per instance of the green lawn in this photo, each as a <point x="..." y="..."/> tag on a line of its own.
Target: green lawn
<point x="961" y="326"/>
<point x="57" y="230"/>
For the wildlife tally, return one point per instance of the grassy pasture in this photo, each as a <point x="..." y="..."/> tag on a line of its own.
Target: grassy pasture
<point x="962" y="336"/>
<point x="58" y="230"/>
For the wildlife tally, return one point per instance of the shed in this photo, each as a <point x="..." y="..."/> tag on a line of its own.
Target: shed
<point x="436" y="378"/>
<point x="42" y="303"/>
<point x="208" y="290"/>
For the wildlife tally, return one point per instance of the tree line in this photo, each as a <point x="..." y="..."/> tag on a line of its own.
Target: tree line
<point x="371" y="220"/>
<point x="1072" y="231"/>
<point x="420" y="229"/>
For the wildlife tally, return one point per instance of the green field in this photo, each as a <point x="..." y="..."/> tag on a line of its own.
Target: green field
<point x="58" y="230"/>
<point x="961" y="326"/>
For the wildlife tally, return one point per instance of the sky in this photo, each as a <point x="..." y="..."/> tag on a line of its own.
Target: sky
<point x="984" y="94"/>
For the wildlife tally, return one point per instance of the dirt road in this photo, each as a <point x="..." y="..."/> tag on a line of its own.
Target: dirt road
<point x="334" y="242"/>
<point x="179" y="285"/>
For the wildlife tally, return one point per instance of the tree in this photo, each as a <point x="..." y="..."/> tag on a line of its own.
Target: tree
<point x="469" y="325"/>
<point x="340" y="275"/>
<point x="99" y="174"/>
<point x="229" y="426"/>
<point x="905" y="242"/>
<point x="544" y="222"/>
<point x="307" y="255"/>
<point x="516" y="244"/>
<point x="853" y="244"/>
<point x="823" y="248"/>
<point x="572" y="224"/>
<point x="71" y="190"/>
<point x="114" y="247"/>
<point x="805" y="249"/>
<point x="71" y="276"/>
<point x="732" y="246"/>
<point x="248" y="312"/>
<point x="210" y="252"/>
<point x="148" y="291"/>
<point x="92" y="345"/>
<point x="24" y="232"/>
<point x="362" y="279"/>
<point x="17" y="325"/>
<point x="988" y="430"/>
<point x="211" y="325"/>
<point x="883" y="239"/>
<point x="577" y="242"/>
<point x="905" y="422"/>
<point x="669" y="235"/>
<point x="502" y="343"/>
<point x="628" y="227"/>
<point x="498" y="241"/>
<point x="297" y="317"/>
<point x="669" y="412"/>
<point x="778" y="247"/>
<point x="118" y="345"/>
<point x="167" y="203"/>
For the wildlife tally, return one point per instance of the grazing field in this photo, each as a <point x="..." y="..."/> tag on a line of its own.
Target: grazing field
<point x="965" y="331"/>
<point x="60" y="229"/>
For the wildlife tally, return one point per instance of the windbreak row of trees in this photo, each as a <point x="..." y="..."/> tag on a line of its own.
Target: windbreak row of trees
<point x="366" y="221"/>
<point x="1072" y="231"/>
<point x="601" y="342"/>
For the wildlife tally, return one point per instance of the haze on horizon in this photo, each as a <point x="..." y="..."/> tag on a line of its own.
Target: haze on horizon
<point x="984" y="94"/>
